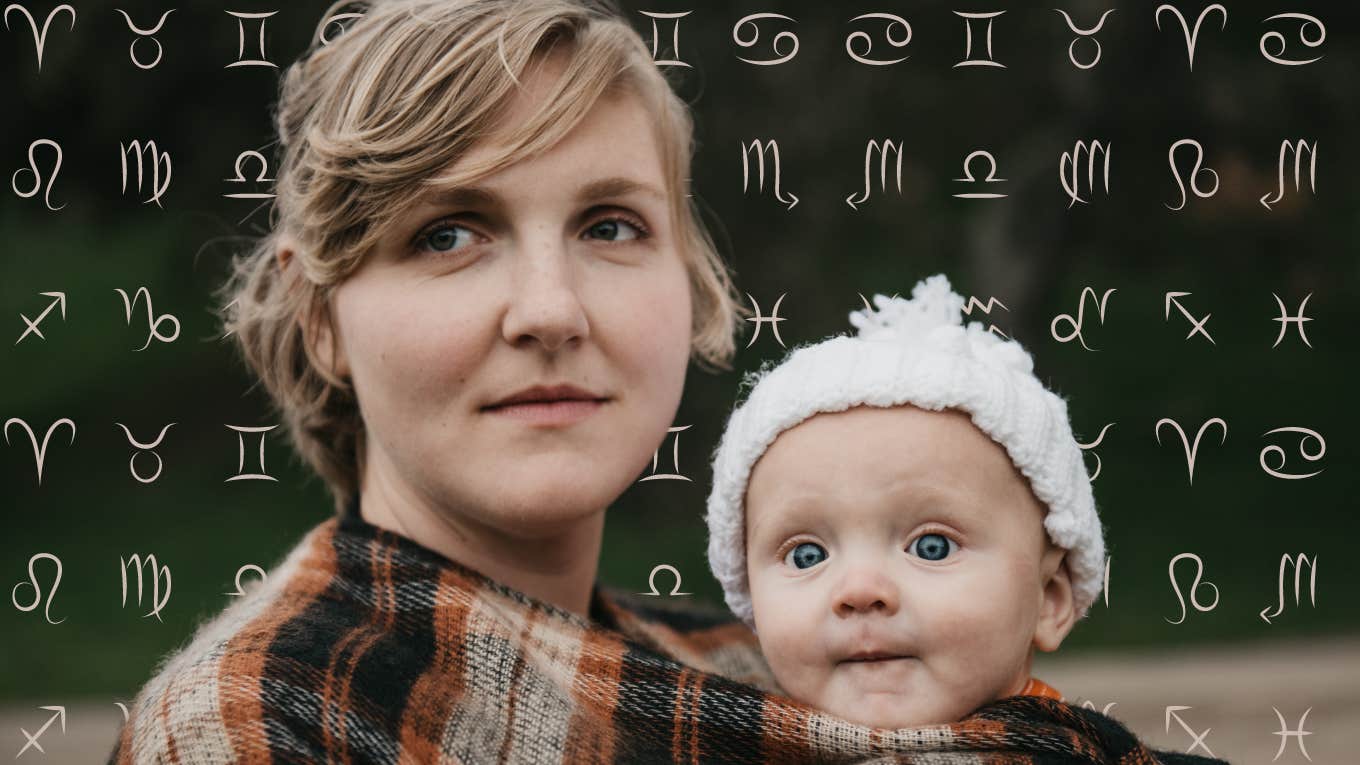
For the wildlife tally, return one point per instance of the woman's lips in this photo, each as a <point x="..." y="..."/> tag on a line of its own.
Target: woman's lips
<point x="550" y="413"/>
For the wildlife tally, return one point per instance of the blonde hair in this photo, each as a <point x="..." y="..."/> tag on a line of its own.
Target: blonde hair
<point x="366" y="120"/>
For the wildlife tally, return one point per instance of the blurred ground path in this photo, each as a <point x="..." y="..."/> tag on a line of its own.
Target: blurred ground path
<point x="1227" y="690"/>
<point x="1230" y="691"/>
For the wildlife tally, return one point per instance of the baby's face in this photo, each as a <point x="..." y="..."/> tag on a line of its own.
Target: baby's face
<point x="907" y="535"/>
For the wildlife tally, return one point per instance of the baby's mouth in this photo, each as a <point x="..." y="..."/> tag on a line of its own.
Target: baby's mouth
<point x="872" y="657"/>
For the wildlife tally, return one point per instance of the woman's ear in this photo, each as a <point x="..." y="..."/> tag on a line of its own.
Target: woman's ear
<point x="318" y="327"/>
<point x="1057" y="609"/>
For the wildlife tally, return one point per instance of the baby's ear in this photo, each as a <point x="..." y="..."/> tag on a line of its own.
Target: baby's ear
<point x="1057" y="609"/>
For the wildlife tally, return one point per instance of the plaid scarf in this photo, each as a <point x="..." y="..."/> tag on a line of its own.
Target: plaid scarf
<point x="363" y="646"/>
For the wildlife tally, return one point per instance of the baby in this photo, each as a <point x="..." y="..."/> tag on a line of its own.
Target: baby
<point x="902" y="516"/>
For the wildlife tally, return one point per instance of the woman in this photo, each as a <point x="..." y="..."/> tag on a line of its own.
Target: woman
<point x="475" y="313"/>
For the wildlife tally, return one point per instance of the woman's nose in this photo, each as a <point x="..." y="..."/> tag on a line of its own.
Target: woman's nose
<point x="545" y="302"/>
<point x="865" y="588"/>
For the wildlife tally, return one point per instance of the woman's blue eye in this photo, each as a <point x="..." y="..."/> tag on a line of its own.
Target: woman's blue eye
<point x="443" y="238"/>
<point x="932" y="546"/>
<point x="609" y="227"/>
<point x="807" y="555"/>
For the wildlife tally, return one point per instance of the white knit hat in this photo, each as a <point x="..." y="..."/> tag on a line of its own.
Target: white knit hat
<point x="916" y="352"/>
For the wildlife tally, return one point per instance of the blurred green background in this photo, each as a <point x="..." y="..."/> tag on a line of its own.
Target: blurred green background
<point x="1028" y="250"/>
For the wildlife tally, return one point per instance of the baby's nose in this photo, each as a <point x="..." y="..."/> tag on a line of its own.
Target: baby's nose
<point x="864" y="589"/>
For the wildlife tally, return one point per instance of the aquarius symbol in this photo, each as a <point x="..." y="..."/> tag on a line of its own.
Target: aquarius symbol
<point x="1194" y="586"/>
<point x="1196" y="325"/>
<point x="39" y="40"/>
<point x="992" y="302"/>
<point x="59" y="299"/>
<point x="675" y="37"/>
<point x="786" y="35"/>
<point x="40" y="454"/>
<point x="862" y="36"/>
<point x="1081" y="317"/>
<point x="1190" y="452"/>
<point x="1190" y="38"/>
<point x="651" y="581"/>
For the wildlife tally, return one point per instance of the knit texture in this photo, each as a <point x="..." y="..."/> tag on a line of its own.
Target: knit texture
<point x="365" y="647"/>
<point x="911" y="352"/>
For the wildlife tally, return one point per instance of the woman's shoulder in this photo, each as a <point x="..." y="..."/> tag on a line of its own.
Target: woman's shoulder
<point x="207" y="696"/>
<point x="691" y="632"/>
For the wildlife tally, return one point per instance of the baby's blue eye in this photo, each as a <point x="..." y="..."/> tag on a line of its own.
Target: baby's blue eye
<point x="807" y="555"/>
<point x="932" y="546"/>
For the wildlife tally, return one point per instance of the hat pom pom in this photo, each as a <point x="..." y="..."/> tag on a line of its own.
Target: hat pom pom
<point x="933" y="318"/>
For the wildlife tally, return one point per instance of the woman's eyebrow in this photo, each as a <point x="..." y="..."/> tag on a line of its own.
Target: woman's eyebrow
<point x="481" y="196"/>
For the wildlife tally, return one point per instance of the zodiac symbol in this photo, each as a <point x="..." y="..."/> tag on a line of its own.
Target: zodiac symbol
<point x="1194" y="586"/>
<point x="882" y="168"/>
<point x="1298" y="148"/>
<point x="1106" y="588"/>
<point x="145" y="33"/>
<point x="264" y="170"/>
<point x="1198" y="737"/>
<point x="973" y="302"/>
<point x="1308" y="21"/>
<point x="152" y="320"/>
<point x="1279" y="452"/>
<point x="37" y="590"/>
<point x="157" y="600"/>
<point x="675" y="37"/>
<point x="39" y="40"/>
<point x="1194" y="176"/>
<point x="675" y="456"/>
<point x="124" y="708"/>
<point x="1197" y="325"/>
<point x="1190" y="38"/>
<point x="773" y="319"/>
<point x="1190" y="452"/>
<point x="1284" y="734"/>
<point x="1106" y="711"/>
<point x="241" y="464"/>
<point x="59" y="714"/>
<point x="1067" y="170"/>
<point x="1081" y="316"/>
<point x="1071" y="49"/>
<point x="37" y="176"/>
<point x="241" y="46"/>
<point x="651" y="581"/>
<point x="894" y="20"/>
<point x="991" y="175"/>
<point x="1285" y="320"/>
<point x="339" y="20"/>
<point x="158" y="185"/>
<point x="968" y="27"/>
<point x="132" y="466"/>
<point x="760" y="148"/>
<point x="1298" y="562"/>
<point x="785" y="35"/>
<point x="1093" y="445"/>
<point x="59" y="299"/>
<point x="247" y="567"/>
<point x="40" y="454"/>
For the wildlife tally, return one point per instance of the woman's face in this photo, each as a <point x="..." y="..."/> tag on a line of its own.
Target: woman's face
<point x="561" y="269"/>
